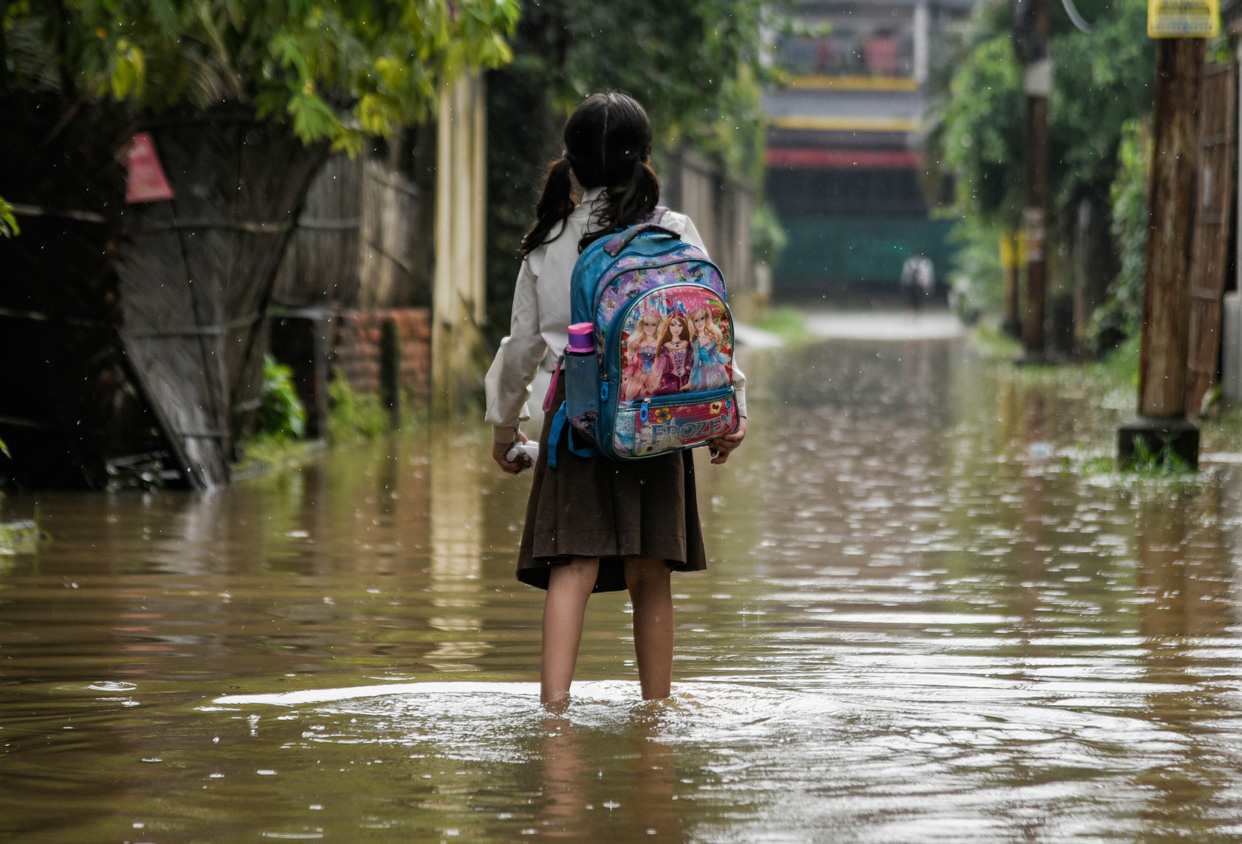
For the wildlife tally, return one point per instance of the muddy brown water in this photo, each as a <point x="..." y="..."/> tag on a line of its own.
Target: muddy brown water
<point x="923" y="622"/>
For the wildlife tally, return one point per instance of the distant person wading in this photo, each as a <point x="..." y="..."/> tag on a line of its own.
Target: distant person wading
<point x="918" y="278"/>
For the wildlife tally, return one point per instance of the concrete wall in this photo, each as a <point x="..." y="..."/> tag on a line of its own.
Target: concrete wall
<point x="316" y="342"/>
<point x="356" y="349"/>
<point x="721" y="209"/>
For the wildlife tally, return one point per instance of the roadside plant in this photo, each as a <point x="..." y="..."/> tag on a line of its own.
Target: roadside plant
<point x="354" y="416"/>
<point x="282" y="414"/>
<point x="1159" y="462"/>
<point x="8" y="222"/>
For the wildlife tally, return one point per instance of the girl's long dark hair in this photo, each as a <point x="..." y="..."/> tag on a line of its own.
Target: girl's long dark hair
<point x="607" y="141"/>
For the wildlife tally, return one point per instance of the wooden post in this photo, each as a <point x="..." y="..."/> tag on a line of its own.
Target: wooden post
<point x="390" y="371"/>
<point x="1035" y="215"/>
<point x="1031" y="48"/>
<point x="1162" y="425"/>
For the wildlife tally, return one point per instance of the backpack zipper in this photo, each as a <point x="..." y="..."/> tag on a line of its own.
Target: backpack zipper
<point x="679" y="398"/>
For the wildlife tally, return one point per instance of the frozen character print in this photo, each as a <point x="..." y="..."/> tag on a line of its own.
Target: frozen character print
<point x="709" y="368"/>
<point x="671" y="372"/>
<point x="640" y="355"/>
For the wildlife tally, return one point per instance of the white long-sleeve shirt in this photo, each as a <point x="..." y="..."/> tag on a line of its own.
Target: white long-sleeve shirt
<point x="540" y="320"/>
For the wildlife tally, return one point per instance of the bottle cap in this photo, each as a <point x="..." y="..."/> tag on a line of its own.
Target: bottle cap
<point x="582" y="337"/>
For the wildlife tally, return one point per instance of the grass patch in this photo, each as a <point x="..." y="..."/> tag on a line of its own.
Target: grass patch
<point x="1222" y="431"/>
<point x="1118" y="370"/>
<point x="992" y="343"/>
<point x="354" y="417"/>
<point x="786" y="323"/>
<point x="1114" y="380"/>
<point x="273" y="453"/>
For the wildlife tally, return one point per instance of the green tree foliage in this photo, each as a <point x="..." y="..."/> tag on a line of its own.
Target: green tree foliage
<point x="982" y="134"/>
<point x="336" y="69"/>
<point x="1120" y="315"/>
<point x="8" y="222"/>
<point x="1101" y="80"/>
<point x="694" y="65"/>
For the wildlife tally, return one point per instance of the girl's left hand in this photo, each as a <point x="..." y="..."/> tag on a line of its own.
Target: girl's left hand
<point x="723" y="447"/>
<point x="499" y="450"/>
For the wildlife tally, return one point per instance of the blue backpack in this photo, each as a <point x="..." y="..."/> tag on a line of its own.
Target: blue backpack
<point x="660" y="377"/>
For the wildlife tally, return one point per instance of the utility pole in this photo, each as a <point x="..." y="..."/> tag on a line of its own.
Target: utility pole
<point x="1031" y="48"/>
<point x="1162" y="427"/>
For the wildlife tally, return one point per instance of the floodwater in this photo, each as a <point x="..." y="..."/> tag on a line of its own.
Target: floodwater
<point x="925" y="621"/>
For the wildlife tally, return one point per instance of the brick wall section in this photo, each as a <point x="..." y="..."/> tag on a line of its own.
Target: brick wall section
<point x="356" y="349"/>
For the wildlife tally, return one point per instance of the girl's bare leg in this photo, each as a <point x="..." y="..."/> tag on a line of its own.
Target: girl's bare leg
<point x="569" y="586"/>
<point x="651" y="593"/>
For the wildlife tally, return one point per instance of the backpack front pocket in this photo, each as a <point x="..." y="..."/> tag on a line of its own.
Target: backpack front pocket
<point x="671" y="423"/>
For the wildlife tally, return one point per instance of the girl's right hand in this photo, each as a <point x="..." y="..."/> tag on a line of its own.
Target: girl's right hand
<point x="499" y="450"/>
<point x="722" y="447"/>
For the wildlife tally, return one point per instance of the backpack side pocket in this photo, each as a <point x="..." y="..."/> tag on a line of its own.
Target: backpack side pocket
<point x="582" y="391"/>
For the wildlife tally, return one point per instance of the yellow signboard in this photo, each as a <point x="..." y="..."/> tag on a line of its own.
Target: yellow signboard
<point x="1013" y="249"/>
<point x="1183" y="18"/>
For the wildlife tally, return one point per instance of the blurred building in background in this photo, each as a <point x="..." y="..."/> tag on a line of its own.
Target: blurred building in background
<point x="843" y="166"/>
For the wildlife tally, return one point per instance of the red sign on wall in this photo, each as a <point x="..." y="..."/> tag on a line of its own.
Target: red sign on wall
<point x="146" y="182"/>
<point x="839" y="159"/>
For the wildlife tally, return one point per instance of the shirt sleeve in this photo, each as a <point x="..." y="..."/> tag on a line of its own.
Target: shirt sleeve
<point x="507" y="385"/>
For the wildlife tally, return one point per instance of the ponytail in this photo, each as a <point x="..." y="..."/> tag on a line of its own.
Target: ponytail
<point x="630" y="201"/>
<point x="607" y="141"/>
<point x="555" y="204"/>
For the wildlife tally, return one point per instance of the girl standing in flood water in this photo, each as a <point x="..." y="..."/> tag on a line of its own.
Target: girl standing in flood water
<point x="593" y="524"/>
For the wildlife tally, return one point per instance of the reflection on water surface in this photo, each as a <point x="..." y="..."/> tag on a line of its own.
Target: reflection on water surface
<point x="922" y="622"/>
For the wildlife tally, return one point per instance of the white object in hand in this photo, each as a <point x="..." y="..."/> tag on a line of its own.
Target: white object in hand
<point x="527" y="452"/>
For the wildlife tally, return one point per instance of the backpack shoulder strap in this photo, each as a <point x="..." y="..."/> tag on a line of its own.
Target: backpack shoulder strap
<point x="620" y="240"/>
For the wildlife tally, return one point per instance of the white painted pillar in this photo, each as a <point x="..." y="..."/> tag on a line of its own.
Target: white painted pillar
<point x="458" y="304"/>
<point x="922" y="41"/>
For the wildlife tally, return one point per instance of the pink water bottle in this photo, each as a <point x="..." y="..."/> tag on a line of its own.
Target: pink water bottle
<point x="581" y="377"/>
<point x="581" y="338"/>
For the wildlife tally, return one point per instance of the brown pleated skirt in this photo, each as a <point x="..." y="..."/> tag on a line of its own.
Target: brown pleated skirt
<point x="611" y="509"/>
